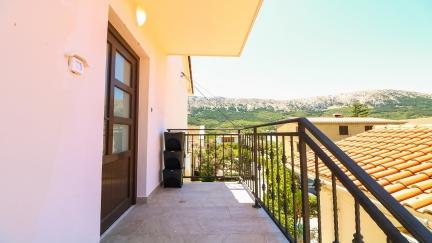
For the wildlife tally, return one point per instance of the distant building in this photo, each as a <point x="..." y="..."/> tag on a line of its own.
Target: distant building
<point x="227" y="139"/>
<point x="339" y="127"/>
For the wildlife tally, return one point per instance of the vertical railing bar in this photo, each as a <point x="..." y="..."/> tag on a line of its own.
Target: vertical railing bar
<point x="304" y="184"/>
<point x="267" y="172"/>
<point x="246" y="157"/>
<point x="246" y="160"/>
<point x="251" y="156"/>
<point x="251" y="162"/>
<point x="255" y="174"/>
<point x="215" y="156"/>
<point x="223" y="156"/>
<point x="187" y="143"/>
<point x="244" y="153"/>
<point x="272" y="172"/>
<point x="240" y="159"/>
<point x="293" y="187"/>
<point x="335" y="213"/>
<point x="284" y="164"/>
<point x="278" y="177"/>
<point x="358" y="238"/>
<point x="186" y="151"/>
<point x="201" y="138"/>
<point x="193" y="164"/>
<point x="263" y="185"/>
<point x="258" y="175"/>
<point x="208" y="156"/>
<point x="317" y="184"/>
<point x="231" y="155"/>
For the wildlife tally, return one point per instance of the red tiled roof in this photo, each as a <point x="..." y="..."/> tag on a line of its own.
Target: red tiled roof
<point x="398" y="157"/>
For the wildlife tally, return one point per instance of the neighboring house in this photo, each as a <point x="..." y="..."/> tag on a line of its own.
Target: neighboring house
<point x="89" y="87"/>
<point x="227" y="139"/>
<point x="418" y="121"/>
<point x="338" y="127"/>
<point x="399" y="158"/>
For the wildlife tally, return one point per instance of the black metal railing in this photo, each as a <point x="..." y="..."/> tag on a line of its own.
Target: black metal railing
<point x="282" y="171"/>
<point x="211" y="154"/>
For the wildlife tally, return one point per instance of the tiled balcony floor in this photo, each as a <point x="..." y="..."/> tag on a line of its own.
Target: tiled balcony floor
<point x="197" y="213"/>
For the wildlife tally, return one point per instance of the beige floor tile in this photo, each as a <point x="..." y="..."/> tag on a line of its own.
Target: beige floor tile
<point x="197" y="213"/>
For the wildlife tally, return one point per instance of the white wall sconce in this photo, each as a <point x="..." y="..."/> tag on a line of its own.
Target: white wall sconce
<point x="141" y="16"/>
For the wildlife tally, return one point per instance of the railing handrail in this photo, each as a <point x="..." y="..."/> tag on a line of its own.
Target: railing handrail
<point x="290" y="120"/>
<point x="203" y="129"/>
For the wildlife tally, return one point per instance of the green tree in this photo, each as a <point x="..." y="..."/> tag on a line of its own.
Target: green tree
<point x="214" y="158"/>
<point x="359" y="110"/>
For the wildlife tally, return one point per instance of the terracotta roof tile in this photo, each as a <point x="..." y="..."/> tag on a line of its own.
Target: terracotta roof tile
<point x="412" y="156"/>
<point x="394" y="187"/>
<point x="383" y="182"/>
<point x="373" y="159"/>
<point x="375" y="170"/>
<point x="413" y="179"/>
<point x="427" y="157"/>
<point x="427" y="150"/>
<point x="423" y="185"/>
<point x="423" y="141"/>
<point x="384" y="173"/>
<point x="392" y="163"/>
<point x="427" y="172"/>
<point x="398" y="157"/>
<point x="427" y="209"/>
<point x="397" y="176"/>
<point x="382" y="161"/>
<point x="418" y="148"/>
<point x="425" y="135"/>
<point x="406" y="193"/>
<point x="419" y="201"/>
<point x="390" y="153"/>
<point x="406" y="165"/>
<point x="420" y="167"/>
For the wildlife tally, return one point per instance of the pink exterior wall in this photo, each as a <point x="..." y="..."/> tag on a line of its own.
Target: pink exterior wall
<point x="51" y="126"/>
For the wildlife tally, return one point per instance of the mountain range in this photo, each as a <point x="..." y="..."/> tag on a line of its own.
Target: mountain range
<point x="391" y="104"/>
<point x="371" y="98"/>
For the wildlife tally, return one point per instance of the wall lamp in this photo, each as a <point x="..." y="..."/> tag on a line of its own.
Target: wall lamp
<point x="141" y="16"/>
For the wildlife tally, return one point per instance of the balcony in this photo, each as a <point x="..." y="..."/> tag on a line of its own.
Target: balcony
<point x="255" y="184"/>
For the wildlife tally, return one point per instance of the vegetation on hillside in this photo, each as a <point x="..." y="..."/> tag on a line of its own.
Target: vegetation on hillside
<point x="390" y="104"/>
<point x="213" y="118"/>
<point x="359" y="110"/>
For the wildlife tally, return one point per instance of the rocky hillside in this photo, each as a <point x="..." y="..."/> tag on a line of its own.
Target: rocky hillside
<point x="228" y="112"/>
<point x="376" y="98"/>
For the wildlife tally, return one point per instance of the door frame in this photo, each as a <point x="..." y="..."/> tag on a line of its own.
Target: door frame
<point x="133" y="137"/>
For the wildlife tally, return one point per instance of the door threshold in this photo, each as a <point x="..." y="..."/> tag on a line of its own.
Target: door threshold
<point x="116" y="222"/>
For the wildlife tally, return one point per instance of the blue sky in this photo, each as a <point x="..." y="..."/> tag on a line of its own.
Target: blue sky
<point x="320" y="47"/>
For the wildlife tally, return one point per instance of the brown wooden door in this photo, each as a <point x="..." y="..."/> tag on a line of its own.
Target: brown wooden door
<point x="119" y="157"/>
